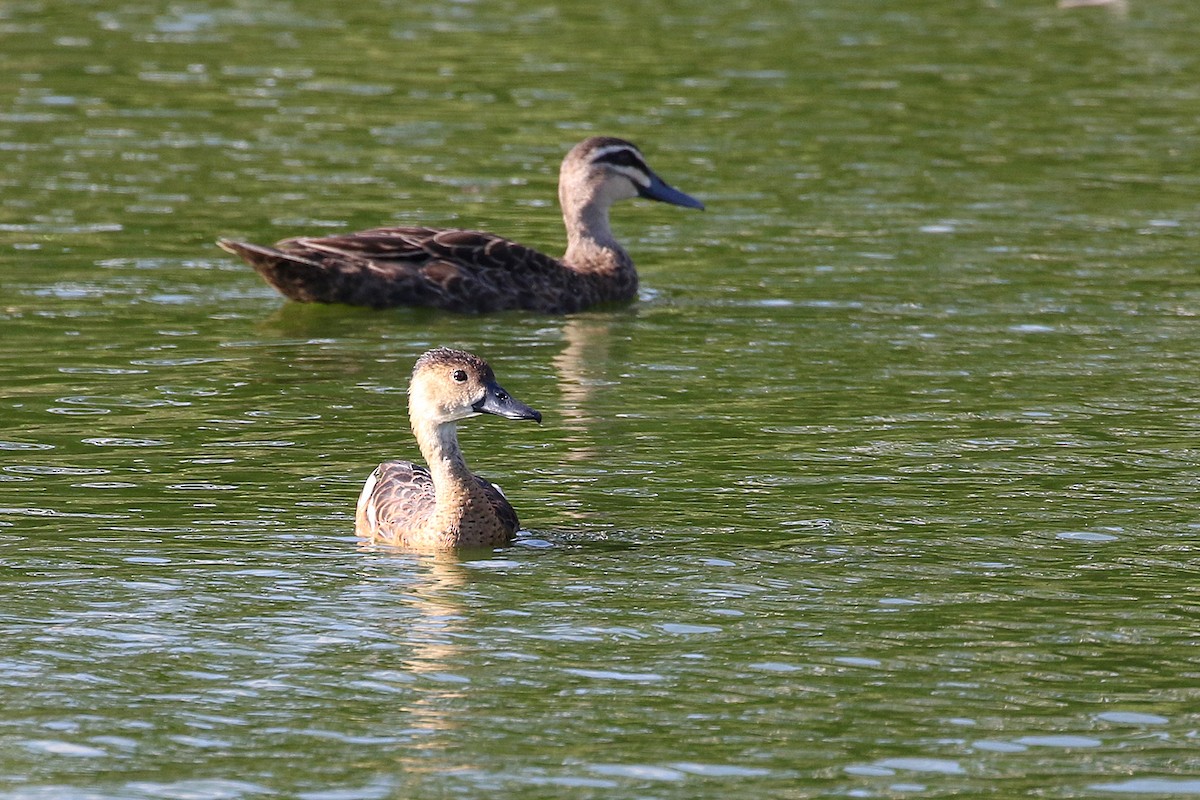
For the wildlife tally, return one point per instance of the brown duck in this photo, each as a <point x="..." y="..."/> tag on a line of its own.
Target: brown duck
<point x="471" y="271"/>
<point x="445" y="505"/>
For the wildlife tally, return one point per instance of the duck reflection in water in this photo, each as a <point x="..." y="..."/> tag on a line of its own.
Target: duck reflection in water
<point x="424" y="664"/>
<point x="581" y="368"/>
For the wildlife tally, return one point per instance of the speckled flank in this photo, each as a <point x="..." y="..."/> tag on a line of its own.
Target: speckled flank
<point x="445" y="506"/>
<point x="472" y="271"/>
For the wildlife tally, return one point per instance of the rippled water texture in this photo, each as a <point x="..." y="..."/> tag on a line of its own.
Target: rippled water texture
<point x="886" y="487"/>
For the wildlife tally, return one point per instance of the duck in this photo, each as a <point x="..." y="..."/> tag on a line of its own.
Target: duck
<point x="470" y="271"/>
<point x="445" y="505"/>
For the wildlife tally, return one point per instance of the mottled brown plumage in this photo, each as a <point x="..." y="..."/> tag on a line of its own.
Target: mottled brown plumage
<point x="472" y="271"/>
<point x="446" y="505"/>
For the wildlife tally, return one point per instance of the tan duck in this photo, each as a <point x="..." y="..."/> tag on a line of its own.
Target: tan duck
<point x="445" y="505"/>
<point x="471" y="271"/>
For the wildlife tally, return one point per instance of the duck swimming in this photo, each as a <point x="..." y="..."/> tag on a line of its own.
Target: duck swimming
<point x="445" y="505"/>
<point x="472" y="271"/>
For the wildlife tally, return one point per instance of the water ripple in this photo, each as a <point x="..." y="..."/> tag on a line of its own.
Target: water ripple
<point x="1159" y="787"/>
<point x="34" y="469"/>
<point x="107" y="441"/>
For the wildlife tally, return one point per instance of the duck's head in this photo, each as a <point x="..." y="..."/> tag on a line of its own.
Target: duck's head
<point x="606" y="169"/>
<point x="449" y="385"/>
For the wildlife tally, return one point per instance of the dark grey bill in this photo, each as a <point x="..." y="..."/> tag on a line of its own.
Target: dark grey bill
<point x="660" y="191"/>
<point x="502" y="404"/>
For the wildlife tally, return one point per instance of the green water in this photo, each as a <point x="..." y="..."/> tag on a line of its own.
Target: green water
<point x="886" y="487"/>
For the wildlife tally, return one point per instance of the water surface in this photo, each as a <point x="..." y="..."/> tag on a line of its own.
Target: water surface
<point x="884" y="488"/>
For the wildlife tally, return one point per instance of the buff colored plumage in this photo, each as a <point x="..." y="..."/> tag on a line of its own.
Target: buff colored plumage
<point x="445" y="505"/>
<point x="472" y="271"/>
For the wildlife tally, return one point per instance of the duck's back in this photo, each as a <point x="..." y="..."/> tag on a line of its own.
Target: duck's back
<point x="398" y="506"/>
<point x="454" y="270"/>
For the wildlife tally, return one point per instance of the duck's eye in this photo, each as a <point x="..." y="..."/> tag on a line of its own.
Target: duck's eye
<point x="459" y="375"/>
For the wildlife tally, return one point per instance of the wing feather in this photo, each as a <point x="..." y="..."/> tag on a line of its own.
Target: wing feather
<point x="396" y="492"/>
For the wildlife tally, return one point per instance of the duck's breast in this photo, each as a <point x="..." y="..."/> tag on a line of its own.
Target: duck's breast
<point x="506" y="515"/>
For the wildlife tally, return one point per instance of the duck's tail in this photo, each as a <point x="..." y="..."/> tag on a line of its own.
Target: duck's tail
<point x="293" y="275"/>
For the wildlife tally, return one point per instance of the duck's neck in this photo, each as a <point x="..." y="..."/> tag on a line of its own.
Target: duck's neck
<point x="591" y="247"/>
<point x="453" y="481"/>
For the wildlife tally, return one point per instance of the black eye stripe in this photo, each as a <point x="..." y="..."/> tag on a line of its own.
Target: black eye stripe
<point x="624" y="158"/>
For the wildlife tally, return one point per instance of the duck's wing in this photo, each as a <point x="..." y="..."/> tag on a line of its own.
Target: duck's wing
<point x="504" y="510"/>
<point x="455" y="270"/>
<point x="397" y="496"/>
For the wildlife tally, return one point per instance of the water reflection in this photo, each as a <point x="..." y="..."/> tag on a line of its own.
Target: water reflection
<point x="579" y="368"/>
<point x="434" y="635"/>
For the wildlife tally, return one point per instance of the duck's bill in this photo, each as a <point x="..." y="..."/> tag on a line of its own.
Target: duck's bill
<point x="502" y="404"/>
<point x="664" y="193"/>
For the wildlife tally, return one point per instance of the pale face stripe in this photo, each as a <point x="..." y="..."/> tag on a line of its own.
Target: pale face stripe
<point x="639" y="174"/>
<point x="615" y="148"/>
